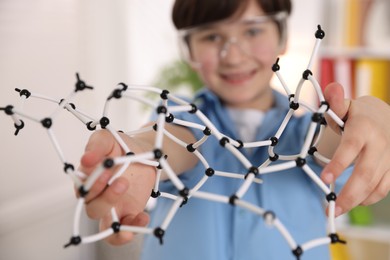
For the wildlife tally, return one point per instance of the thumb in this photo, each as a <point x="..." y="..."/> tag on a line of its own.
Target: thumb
<point x="334" y="95"/>
<point x="100" y="145"/>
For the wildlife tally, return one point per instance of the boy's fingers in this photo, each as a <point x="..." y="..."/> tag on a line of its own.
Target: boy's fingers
<point x="334" y="95"/>
<point x="115" y="239"/>
<point x="99" y="206"/>
<point x="98" y="187"/>
<point x="380" y="192"/>
<point x="362" y="183"/>
<point x="101" y="141"/>
<point x="140" y="220"/>
<point x="100" y="144"/>
<point x="123" y="237"/>
<point x="347" y="151"/>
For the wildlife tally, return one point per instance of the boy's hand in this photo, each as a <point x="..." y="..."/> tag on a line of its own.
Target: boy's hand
<point x="364" y="141"/>
<point x="128" y="193"/>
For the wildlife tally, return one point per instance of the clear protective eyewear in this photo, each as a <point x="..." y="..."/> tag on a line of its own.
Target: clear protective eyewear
<point x="251" y="36"/>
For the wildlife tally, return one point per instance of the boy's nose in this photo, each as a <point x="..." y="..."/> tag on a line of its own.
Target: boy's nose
<point x="231" y="51"/>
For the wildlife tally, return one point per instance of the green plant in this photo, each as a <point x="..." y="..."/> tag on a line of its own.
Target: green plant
<point x="178" y="74"/>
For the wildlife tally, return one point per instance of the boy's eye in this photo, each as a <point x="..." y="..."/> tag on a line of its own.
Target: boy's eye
<point x="212" y="37"/>
<point x="254" y="31"/>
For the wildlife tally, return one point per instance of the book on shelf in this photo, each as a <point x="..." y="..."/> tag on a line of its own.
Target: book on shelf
<point x="348" y="22"/>
<point x="339" y="70"/>
<point x="353" y="24"/>
<point x="372" y="78"/>
<point x="358" y="76"/>
<point x="333" y="22"/>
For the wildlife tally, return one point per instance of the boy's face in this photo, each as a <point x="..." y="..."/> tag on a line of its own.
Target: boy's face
<point x="235" y="58"/>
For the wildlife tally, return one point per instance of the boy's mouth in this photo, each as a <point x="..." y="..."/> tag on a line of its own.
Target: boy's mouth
<point x="236" y="78"/>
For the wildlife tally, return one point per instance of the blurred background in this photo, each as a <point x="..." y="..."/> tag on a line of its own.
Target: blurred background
<point x="43" y="43"/>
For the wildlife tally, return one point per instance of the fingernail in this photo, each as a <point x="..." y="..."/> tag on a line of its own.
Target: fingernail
<point x="120" y="187"/>
<point x="328" y="178"/>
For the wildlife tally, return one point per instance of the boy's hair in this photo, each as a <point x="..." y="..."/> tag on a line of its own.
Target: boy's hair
<point x="192" y="13"/>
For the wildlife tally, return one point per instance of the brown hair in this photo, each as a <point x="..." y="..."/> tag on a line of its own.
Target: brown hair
<point x="190" y="13"/>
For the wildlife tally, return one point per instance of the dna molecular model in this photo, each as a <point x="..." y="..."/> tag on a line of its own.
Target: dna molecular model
<point x="166" y="107"/>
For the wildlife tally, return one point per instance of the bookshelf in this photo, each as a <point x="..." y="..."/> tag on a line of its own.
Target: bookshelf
<point x="356" y="49"/>
<point x="356" y="53"/>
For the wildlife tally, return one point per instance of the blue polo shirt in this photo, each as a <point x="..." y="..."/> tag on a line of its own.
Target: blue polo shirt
<point x="206" y="230"/>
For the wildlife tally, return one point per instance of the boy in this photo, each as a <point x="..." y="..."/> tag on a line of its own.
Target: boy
<point x="232" y="45"/>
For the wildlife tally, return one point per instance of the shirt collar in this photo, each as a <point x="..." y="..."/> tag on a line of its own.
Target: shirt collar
<point x="205" y="96"/>
<point x="206" y="100"/>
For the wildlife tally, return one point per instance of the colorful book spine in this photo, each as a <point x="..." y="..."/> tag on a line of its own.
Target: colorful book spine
<point x="339" y="70"/>
<point x="326" y="72"/>
<point x="372" y="78"/>
<point x="353" y="23"/>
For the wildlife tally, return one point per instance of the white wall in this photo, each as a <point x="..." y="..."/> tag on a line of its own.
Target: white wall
<point x="43" y="44"/>
<point x="306" y="15"/>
